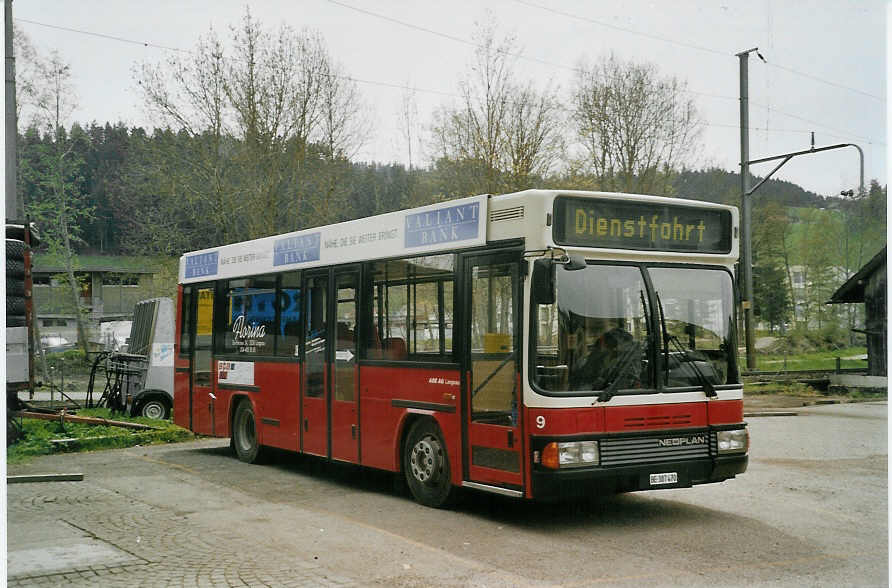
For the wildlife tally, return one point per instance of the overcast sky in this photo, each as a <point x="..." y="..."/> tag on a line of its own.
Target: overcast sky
<point x="826" y="69"/>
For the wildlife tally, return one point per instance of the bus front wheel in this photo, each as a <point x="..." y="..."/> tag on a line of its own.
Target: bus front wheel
<point x="426" y="465"/>
<point x="244" y="434"/>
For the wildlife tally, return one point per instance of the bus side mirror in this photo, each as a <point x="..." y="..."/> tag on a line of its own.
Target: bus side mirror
<point x="543" y="281"/>
<point x="574" y="263"/>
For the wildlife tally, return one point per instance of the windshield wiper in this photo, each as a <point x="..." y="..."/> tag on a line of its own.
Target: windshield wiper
<point x="627" y="360"/>
<point x="667" y="338"/>
<point x="633" y="352"/>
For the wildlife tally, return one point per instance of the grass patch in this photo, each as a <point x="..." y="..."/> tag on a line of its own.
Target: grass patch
<point x="39" y="434"/>
<point x="811" y="360"/>
<point x="780" y="388"/>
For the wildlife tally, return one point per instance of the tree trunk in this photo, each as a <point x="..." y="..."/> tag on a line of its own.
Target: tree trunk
<point x="35" y="331"/>
<point x="75" y="288"/>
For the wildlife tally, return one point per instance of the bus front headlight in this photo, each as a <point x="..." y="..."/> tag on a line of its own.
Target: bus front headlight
<point x="570" y="454"/>
<point x="733" y="441"/>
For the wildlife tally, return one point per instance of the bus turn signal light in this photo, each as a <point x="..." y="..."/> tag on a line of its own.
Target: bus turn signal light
<point x="550" y="456"/>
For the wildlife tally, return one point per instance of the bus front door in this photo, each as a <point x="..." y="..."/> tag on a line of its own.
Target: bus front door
<point x="493" y="443"/>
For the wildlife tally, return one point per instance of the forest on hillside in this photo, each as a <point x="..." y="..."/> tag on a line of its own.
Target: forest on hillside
<point x="256" y="135"/>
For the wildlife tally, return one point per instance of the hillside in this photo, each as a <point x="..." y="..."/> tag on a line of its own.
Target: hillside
<point x="718" y="185"/>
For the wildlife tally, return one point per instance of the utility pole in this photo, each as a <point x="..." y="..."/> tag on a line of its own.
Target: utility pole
<point x="14" y="208"/>
<point x="746" y="266"/>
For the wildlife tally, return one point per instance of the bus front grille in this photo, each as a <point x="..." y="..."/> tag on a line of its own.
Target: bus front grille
<point x="654" y="449"/>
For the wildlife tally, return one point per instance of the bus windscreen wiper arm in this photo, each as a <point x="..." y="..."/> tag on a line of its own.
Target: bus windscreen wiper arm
<point x="667" y="338"/>
<point x="625" y="362"/>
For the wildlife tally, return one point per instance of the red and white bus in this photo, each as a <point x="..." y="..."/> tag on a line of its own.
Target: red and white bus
<point x="540" y="344"/>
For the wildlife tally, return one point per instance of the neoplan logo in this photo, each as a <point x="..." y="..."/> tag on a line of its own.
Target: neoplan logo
<point x="677" y="441"/>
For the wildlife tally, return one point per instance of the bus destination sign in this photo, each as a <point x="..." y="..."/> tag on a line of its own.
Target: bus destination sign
<point x="617" y="224"/>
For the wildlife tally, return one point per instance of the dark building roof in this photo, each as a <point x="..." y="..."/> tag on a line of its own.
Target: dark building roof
<point x="853" y="289"/>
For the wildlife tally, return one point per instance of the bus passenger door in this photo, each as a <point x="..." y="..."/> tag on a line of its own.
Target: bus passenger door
<point x="203" y="376"/>
<point x="314" y="402"/>
<point x="493" y="444"/>
<point x="344" y="415"/>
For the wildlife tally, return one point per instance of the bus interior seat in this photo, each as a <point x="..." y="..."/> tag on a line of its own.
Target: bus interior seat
<point x="346" y="335"/>
<point x="373" y="345"/>
<point x="395" y="348"/>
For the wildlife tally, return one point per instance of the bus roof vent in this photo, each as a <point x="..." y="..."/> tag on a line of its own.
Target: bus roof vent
<point x="506" y="214"/>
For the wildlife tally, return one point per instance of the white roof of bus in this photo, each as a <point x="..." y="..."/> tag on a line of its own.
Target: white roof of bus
<point x="445" y="226"/>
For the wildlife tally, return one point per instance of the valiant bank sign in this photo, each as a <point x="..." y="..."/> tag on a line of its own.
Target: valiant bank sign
<point x="429" y="229"/>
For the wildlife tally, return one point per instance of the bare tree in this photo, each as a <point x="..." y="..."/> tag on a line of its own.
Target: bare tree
<point x="503" y="132"/>
<point x="253" y="116"/>
<point x="407" y="120"/>
<point x="635" y="127"/>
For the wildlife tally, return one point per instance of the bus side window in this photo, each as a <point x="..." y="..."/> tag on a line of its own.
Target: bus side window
<point x="187" y="322"/>
<point x="204" y="335"/>
<point x="290" y="320"/>
<point x="411" y="308"/>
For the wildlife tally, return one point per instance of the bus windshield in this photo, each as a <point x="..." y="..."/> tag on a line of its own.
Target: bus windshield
<point x="602" y="333"/>
<point x="697" y="308"/>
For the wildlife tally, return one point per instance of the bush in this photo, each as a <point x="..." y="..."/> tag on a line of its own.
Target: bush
<point x="804" y="340"/>
<point x="72" y="361"/>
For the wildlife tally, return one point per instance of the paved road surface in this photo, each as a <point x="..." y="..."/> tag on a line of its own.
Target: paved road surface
<point x="811" y="510"/>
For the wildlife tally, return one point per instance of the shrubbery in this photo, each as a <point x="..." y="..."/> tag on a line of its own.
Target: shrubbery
<point x="804" y="340"/>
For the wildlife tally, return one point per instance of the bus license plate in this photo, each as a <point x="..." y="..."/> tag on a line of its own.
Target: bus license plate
<point x="666" y="478"/>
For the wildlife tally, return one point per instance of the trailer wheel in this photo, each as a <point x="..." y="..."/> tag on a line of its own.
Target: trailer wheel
<point x="426" y="465"/>
<point x="154" y="408"/>
<point x="244" y="434"/>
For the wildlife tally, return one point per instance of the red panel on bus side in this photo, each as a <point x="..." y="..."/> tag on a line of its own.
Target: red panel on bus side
<point x="278" y="401"/>
<point x="181" y="396"/>
<point x="655" y="416"/>
<point x="380" y="421"/>
<point x="725" y="412"/>
<point x="565" y="421"/>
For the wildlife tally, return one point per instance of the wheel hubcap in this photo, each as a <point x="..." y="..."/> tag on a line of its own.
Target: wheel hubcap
<point x="426" y="460"/>
<point x="153" y="410"/>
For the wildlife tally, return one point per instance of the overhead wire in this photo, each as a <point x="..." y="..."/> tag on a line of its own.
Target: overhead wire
<point x="578" y="70"/>
<point x="693" y="46"/>
<point x="148" y="44"/>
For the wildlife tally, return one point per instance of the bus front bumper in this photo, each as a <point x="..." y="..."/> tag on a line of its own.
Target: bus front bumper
<point x="578" y="482"/>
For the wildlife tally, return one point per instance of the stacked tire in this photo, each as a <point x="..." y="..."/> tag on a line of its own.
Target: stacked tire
<point x="15" y="282"/>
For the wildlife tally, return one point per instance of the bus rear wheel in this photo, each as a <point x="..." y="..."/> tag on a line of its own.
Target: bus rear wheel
<point x="244" y="434"/>
<point x="426" y="465"/>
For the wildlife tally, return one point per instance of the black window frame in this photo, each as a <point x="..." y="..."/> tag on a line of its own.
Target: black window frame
<point x="370" y="296"/>
<point x="653" y="352"/>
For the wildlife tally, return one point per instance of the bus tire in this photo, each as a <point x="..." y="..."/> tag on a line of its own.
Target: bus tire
<point x="15" y="287"/>
<point x="16" y="249"/>
<point x="15" y="268"/>
<point x="244" y="434"/>
<point x="15" y="305"/>
<point x="426" y="465"/>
